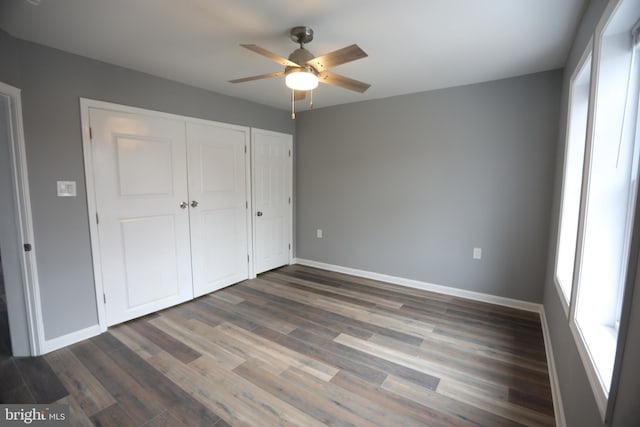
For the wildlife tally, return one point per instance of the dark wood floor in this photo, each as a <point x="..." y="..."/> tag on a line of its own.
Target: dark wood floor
<point x="302" y="347"/>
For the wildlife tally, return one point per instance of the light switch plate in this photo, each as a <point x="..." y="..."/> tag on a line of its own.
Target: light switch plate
<point x="67" y="189"/>
<point x="319" y="233"/>
<point x="477" y="253"/>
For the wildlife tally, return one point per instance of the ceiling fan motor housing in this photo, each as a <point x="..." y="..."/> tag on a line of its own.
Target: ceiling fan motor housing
<point x="301" y="56"/>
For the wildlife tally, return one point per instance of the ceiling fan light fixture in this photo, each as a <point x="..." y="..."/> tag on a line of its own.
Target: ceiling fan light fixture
<point x="303" y="70"/>
<point x="301" y="79"/>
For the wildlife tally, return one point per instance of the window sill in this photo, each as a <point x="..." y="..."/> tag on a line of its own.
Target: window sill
<point x="601" y="342"/>
<point x="596" y="345"/>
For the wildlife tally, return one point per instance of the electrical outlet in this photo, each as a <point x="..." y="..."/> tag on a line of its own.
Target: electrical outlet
<point x="477" y="253"/>
<point x="319" y="233"/>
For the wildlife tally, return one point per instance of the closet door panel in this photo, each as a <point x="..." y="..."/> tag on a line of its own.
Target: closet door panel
<point x="272" y="218"/>
<point x="218" y="205"/>
<point x="140" y="182"/>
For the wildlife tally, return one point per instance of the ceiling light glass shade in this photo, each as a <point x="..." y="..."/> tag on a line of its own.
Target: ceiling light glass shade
<point x="301" y="80"/>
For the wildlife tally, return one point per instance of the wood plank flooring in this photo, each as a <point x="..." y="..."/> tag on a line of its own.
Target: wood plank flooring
<point x="302" y="347"/>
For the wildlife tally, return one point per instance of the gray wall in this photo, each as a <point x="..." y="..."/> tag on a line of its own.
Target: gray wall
<point x="579" y="403"/>
<point x="9" y="63"/>
<point x="52" y="83"/>
<point x="409" y="185"/>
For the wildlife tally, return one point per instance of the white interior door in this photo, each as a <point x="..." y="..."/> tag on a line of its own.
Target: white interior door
<point x="272" y="180"/>
<point x="218" y="191"/>
<point x="140" y="175"/>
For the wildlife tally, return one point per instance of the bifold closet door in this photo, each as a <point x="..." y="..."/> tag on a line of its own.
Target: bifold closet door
<point x="218" y="205"/>
<point x="140" y="176"/>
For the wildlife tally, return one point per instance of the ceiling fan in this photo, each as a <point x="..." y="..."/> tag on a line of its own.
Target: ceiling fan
<point x="303" y="71"/>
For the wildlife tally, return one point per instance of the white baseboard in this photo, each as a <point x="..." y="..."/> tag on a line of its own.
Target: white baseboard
<point x="416" y="284"/>
<point x="558" y="409"/>
<point x="476" y="296"/>
<point x="54" y="344"/>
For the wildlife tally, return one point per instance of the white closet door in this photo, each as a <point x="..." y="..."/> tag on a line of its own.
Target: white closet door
<point x="140" y="177"/>
<point x="218" y="193"/>
<point x="272" y="176"/>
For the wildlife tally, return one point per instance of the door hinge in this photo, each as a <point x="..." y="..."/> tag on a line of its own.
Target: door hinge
<point x="289" y="246"/>
<point x="90" y="133"/>
<point x="246" y="205"/>
<point x="289" y="200"/>
<point x="245" y="149"/>
<point x="97" y="218"/>
<point x="104" y="298"/>
<point x="247" y="257"/>
<point x="27" y="247"/>
<point x="289" y="153"/>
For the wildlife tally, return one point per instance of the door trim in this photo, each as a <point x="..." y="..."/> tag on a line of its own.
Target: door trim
<point x="24" y="223"/>
<point x="248" y="156"/>
<point x="290" y="190"/>
<point x="85" y="105"/>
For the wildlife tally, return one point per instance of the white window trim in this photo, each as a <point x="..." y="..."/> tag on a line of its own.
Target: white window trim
<point x="586" y="55"/>
<point x="604" y="399"/>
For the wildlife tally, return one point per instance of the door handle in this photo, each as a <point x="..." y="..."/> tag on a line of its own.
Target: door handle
<point x="194" y="203"/>
<point x="183" y="205"/>
<point x="258" y="213"/>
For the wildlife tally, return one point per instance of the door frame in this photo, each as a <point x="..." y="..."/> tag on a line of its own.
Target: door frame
<point x="24" y="223"/>
<point x="289" y="189"/>
<point x="85" y="105"/>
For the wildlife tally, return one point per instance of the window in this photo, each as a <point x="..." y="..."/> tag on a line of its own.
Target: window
<point x="599" y="199"/>
<point x="572" y="181"/>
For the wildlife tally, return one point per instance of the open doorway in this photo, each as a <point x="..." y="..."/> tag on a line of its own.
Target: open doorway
<point x="5" y="339"/>
<point x="19" y="336"/>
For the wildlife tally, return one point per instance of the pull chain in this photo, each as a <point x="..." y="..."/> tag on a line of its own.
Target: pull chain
<point x="293" y="105"/>
<point x="311" y="98"/>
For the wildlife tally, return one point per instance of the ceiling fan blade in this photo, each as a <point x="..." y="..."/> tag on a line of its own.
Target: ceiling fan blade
<point x="343" y="82"/>
<point x="299" y="95"/>
<point x="261" y="76"/>
<point x="272" y="56"/>
<point x="337" y="57"/>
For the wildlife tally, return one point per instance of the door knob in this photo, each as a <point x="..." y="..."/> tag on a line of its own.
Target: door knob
<point x="194" y="203"/>
<point x="258" y="213"/>
<point x="183" y="205"/>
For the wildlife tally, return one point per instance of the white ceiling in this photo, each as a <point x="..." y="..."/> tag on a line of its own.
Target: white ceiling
<point x="413" y="45"/>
